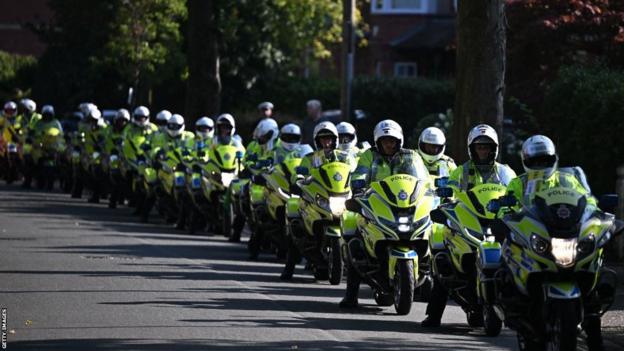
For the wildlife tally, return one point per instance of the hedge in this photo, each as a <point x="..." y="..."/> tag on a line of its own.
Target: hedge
<point x="16" y="74"/>
<point x="583" y="113"/>
<point x="404" y="100"/>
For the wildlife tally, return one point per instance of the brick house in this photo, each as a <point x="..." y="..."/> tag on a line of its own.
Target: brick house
<point x="15" y="18"/>
<point x="409" y="38"/>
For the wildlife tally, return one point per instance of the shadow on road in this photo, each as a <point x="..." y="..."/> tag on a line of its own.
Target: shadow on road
<point x="208" y="344"/>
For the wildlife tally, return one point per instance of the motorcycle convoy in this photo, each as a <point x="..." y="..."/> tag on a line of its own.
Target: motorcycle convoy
<point x="525" y="251"/>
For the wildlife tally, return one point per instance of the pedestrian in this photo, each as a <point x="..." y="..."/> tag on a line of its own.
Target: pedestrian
<point x="314" y="110"/>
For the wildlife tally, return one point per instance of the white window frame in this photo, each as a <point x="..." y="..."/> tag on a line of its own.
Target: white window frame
<point x="399" y="65"/>
<point x="386" y="8"/>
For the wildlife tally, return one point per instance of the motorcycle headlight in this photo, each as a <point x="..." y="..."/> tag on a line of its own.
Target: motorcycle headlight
<point x="323" y="203"/>
<point x="96" y="155"/>
<point x="539" y="244"/>
<point x="114" y="158"/>
<point x="337" y="205"/>
<point x="564" y="251"/>
<point x="227" y="178"/>
<point x="586" y="245"/>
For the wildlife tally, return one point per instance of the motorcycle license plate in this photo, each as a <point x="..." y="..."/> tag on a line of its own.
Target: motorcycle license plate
<point x="179" y="180"/>
<point x="196" y="183"/>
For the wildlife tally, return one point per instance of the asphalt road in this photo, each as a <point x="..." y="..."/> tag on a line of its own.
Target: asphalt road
<point x="78" y="276"/>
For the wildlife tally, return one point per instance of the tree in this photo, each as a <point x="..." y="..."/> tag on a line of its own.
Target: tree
<point x="145" y="41"/>
<point x="76" y="37"/>
<point x="480" y="69"/>
<point x="203" y="93"/>
<point x="545" y="35"/>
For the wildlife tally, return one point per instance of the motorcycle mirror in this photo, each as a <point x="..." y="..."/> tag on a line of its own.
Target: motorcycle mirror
<point x="508" y="201"/>
<point x="358" y="184"/>
<point x="437" y="216"/>
<point x="353" y="206"/>
<point x="180" y="167"/>
<point x="444" y="192"/>
<point x="494" y="205"/>
<point x="608" y="202"/>
<point x="295" y="189"/>
<point x="258" y="179"/>
<point x="441" y="182"/>
<point x="239" y="154"/>
<point x="500" y="230"/>
<point x="302" y="170"/>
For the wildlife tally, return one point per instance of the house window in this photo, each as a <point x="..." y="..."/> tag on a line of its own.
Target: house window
<point x="405" y="69"/>
<point x="399" y="6"/>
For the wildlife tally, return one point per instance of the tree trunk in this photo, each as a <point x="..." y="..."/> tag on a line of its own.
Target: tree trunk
<point x="203" y="95"/>
<point x="480" y="70"/>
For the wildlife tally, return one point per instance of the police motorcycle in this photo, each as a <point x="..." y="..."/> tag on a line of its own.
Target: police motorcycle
<point x="217" y="175"/>
<point x="552" y="277"/>
<point x="71" y="154"/>
<point x="313" y="219"/>
<point x="46" y="156"/>
<point x="277" y="193"/>
<point x="464" y="257"/>
<point x="11" y="160"/>
<point x="194" y="200"/>
<point x="391" y="230"/>
<point x="170" y="169"/>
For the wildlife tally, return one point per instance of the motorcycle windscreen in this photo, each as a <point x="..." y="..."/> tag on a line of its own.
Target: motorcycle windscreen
<point x="560" y="209"/>
<point x="224" y="156"/>
<point x="477" y="198"/>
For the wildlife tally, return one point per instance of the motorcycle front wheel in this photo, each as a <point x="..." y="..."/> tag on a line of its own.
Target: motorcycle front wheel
<point x="491" y="323"/>
<point x="563" y="326"/>
<point x="334" y="262"/>
<point x="403" y="286"/>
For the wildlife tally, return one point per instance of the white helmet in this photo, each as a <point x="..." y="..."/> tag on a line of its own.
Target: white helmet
<point x="85" y="107"/>
<point x="323" y="129"/>
<point x="204" y="128"/>
<point x="265" y="106"/>
<point x="347" y="137"/>
<point x="387" y="128"/>
<point x="161" y="119"/>
<point x="482" y="134"/>
<point x="175" y="125"/>
<point x="29" y="105"/>
<point x="432" y="136"/>
<point x="267" y="132"/>
<point x="226" y="119"/>
<point x="47" y="110"/>
<point x="290" y="136"/>
<point x="140" y="116"/>
<point x="10" y="108"/>
<point x="122" y="113"/>
<point x="94" y="113"/>
<point x="539" y="154"/>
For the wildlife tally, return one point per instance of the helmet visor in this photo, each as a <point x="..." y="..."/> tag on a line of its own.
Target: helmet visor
<point x="431" y="149"/>
<point x="290" y="138"/>
<point x="174" y="126"/>
<point x="346" y="138"/>
<point x="541" y="161"/>
<point x="204" y="128"/>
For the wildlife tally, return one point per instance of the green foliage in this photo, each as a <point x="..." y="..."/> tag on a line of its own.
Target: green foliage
<point x="583" y="113"/>
<point x="145" y="37"/>
<point x="261" y="39"/>
<point x="16" y="74"/>
<point x="66" y="71"/>
<point x="405" y="100"/>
